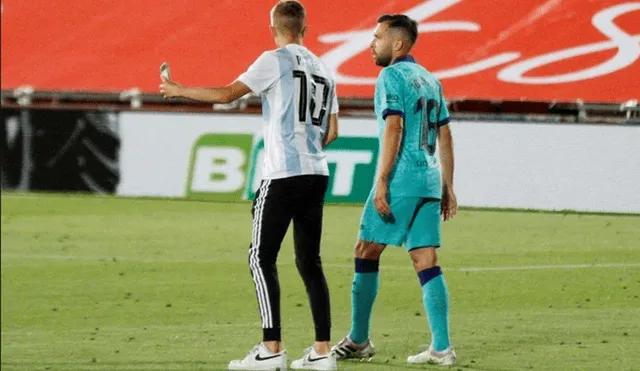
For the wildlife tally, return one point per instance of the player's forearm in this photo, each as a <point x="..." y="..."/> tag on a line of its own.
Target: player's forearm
<point x="332" y="131"/>
<point x="330" y="137"/>
<point x="446" y="156"/>
<point x="210" y="95"/>
<point x="390" y="146"/>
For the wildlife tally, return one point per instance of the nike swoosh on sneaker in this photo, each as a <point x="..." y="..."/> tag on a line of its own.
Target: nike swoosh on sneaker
<point x="316" y="359"/>
<point x="258" y="358"/>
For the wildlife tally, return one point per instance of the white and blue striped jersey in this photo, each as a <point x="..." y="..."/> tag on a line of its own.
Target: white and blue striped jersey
<point x="298" y="95"/>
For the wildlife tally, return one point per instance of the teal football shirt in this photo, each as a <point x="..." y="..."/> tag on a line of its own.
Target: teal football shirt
<point x="405" y="88"/>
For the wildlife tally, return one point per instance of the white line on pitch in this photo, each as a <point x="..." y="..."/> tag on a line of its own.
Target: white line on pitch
<point x="535" y="267"/>
<point x="512" y="268"/>
<point x="329" y="265"/>
<point x="163" y="328"/>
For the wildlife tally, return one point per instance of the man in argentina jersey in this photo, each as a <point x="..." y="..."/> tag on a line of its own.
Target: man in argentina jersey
<point x="410" y="193"/>
<point x="299" y="109"/>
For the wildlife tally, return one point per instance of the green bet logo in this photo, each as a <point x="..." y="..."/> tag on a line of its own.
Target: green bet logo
<point x="218" y="168"/>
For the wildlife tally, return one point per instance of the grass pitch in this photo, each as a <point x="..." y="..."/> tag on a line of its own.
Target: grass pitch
<point x="92" y="283"/>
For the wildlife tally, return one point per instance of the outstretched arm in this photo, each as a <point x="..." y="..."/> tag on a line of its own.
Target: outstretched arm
<point x="258" y="78"/>
<point x="225" y="94"/>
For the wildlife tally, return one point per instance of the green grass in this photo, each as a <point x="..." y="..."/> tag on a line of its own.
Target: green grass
<point x="93" y="283"/>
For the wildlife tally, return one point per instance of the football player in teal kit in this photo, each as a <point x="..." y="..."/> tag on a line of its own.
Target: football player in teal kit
<point x="413" y="189"/>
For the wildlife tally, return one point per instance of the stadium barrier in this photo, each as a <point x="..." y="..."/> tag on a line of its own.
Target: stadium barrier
<point x="499" y="164"/>
<point x="621" y="112"/>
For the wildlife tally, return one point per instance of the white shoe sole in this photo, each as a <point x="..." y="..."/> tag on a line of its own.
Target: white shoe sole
<point x="314" y="367"/>
<point x="257" y="368"/>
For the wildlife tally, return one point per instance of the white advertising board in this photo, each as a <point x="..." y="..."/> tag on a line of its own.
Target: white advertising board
<point x="498" y="164"/>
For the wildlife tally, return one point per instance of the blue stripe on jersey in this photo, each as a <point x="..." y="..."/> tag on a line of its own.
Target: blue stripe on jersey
<point x="312" y="136"/>
<point x="266" y="109"/>
<point x="288" y="88"/>
<point x="310" y="131"/>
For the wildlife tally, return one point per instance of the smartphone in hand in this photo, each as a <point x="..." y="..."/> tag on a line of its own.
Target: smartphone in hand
<point x="165" y="72"/>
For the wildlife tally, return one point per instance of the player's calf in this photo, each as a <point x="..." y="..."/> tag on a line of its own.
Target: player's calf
<point x="435" y="297"/>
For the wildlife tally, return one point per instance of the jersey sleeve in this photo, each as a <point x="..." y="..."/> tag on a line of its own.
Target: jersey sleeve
<point x="390" y="93"/>
<point x="262" y="73"/>
<point x="444" y="117"/>
<point x="334" y="101"/>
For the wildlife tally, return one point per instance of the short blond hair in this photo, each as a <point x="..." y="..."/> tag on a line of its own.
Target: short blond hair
<point x="289" y="16"/>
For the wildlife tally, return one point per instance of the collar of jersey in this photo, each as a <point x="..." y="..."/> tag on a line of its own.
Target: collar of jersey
<point x="406" y="58"/>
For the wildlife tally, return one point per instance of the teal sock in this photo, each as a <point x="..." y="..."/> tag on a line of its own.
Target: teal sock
<point x="435" y="297"/>
<point x="363" y="294"/>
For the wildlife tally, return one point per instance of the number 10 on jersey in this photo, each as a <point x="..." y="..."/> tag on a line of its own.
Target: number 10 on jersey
<point x="316" y="104"/>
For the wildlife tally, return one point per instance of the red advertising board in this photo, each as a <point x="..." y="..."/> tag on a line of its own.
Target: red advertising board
<point x="543" y="50"/>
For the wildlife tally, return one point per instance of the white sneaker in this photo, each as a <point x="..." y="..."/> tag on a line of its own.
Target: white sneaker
<point x="347" y="349"/>
<point x="260" y="358"/>
<point x="445" y="358"/>
<point x="314" y="361"/>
